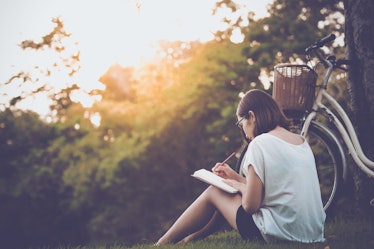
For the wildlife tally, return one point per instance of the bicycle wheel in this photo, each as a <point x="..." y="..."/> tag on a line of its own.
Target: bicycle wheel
<point x="328" y="162"/>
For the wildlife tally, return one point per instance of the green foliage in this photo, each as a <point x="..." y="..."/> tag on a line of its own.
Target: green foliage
<point x="23" y="139"/>
<point x="32" y="194"/>
<point x="290" y="28"/>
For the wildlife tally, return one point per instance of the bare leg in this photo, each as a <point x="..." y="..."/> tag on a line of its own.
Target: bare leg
<point x="213" y="225"/>
<point x="200" y="212"/>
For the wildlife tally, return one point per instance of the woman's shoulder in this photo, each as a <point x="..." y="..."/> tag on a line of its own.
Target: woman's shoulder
<point x="267" y="139"/>
<point x="261" y="139"/>
<point x="286" y="136"/>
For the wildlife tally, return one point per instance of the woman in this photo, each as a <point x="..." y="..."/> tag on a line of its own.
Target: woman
<point x="279" y="197"/>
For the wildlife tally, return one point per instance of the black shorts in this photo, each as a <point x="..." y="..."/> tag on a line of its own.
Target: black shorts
<point x="246" y="226"/>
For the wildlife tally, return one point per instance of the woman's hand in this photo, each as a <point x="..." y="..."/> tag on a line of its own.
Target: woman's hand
<point x="226" y="172"/>
<point x="223" y="170"/>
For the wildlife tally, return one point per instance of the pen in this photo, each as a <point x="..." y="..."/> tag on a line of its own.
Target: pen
<point x="228" y="158"/>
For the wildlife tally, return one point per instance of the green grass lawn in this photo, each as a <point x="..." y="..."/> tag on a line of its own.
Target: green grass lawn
<point x="347" y="234"/>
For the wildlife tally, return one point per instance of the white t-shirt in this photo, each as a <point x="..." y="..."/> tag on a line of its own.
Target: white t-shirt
<point x="292" y="208"/>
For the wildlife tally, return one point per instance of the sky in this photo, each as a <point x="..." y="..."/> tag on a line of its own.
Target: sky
<point x="104" y="31"/>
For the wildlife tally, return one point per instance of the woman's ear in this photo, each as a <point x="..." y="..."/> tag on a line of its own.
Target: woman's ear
<point x="252" y="116"/>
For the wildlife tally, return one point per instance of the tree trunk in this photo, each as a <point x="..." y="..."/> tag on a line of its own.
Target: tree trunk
<point x="359" y="39"/>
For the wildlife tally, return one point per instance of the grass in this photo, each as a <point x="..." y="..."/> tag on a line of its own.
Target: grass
<point x="339" y="234"/>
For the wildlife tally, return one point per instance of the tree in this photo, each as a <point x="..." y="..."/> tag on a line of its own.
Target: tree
<point x="32" y="196"/>
<point x="291" y="26"/>
<point x="52" y="80"/>
<point x="359" y="35"/>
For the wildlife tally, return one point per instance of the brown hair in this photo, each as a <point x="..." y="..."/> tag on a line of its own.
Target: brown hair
<point x="267" y="112"/>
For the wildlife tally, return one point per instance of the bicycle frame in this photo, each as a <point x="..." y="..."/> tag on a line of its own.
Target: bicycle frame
<point x="346" y="131"/>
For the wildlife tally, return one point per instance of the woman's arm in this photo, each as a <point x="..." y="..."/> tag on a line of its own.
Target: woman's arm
<point x="251" y="189"/>
<point x="253" y="192"/>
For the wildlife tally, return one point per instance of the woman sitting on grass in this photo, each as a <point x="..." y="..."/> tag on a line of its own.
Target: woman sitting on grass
<point x="279" y="197"/>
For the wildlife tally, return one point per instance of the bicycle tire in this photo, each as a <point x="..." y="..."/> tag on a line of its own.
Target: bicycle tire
<point x="329" y="166"/>
<point x="328" y="162"/>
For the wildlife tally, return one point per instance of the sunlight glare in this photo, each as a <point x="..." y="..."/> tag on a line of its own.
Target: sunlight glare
<point x="95" y="119"/>
<point x="264" y="78"/>
<point x="104" y="33"/>
<point x="237" y="36"/>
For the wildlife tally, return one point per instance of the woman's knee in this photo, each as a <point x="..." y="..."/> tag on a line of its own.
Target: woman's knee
<point x="220" y="199"/>
<point x="213" y="193"/>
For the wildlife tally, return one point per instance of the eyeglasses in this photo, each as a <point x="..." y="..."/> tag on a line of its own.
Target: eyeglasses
<point x="240" y="126"/>
<point x="239" y="123"/>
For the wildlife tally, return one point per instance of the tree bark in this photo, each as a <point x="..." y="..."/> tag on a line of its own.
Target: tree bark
<point x="359" y="39"/>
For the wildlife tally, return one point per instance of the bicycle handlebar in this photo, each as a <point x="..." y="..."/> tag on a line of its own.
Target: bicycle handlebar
<point x="325" y="40"/>
<point x="321" y="43"/>
<point x="330" y="61"/>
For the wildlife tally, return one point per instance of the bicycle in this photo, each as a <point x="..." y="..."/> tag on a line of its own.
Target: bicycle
<point x="296" y="91"/>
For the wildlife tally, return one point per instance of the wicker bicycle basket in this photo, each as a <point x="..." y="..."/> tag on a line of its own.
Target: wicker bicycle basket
<point x="294" y="88"/>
